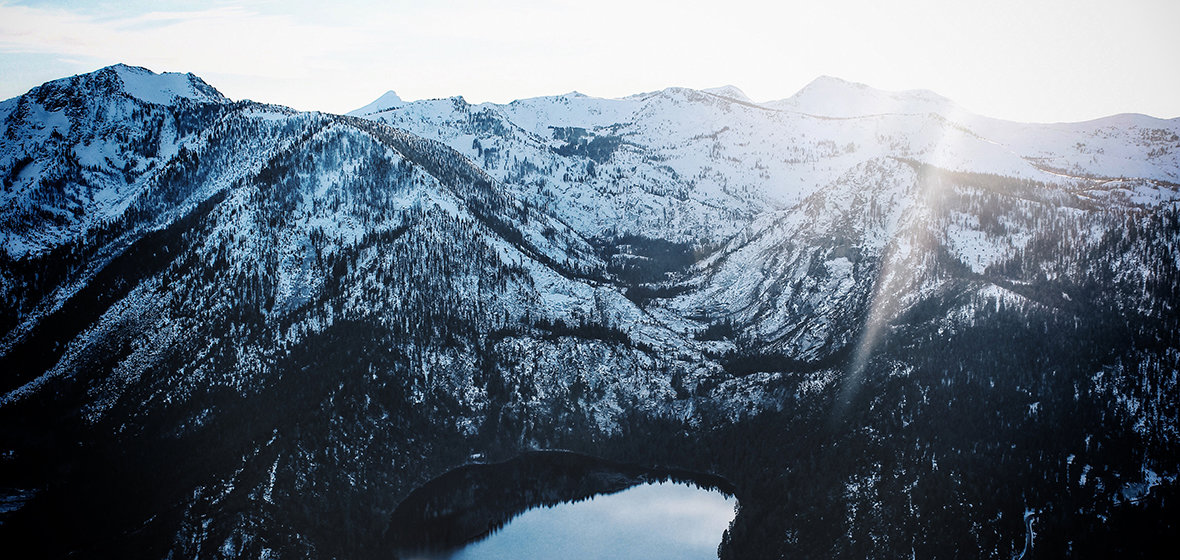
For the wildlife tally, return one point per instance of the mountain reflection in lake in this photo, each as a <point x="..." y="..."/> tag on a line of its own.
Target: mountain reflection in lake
<point x="561" y="505"/>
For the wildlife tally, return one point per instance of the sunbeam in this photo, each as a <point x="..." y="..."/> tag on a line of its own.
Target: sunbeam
<point x="907" y="258"/>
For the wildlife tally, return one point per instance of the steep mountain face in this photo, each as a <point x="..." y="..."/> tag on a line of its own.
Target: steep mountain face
<point x="232" y="329"/>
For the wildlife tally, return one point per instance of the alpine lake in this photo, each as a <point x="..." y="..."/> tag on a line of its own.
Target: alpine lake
<point x="556" y="504"/>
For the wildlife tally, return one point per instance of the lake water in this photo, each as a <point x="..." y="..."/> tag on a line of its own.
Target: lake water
<point x="661" y="520"/>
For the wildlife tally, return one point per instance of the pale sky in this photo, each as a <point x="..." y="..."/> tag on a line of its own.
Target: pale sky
<point x="1044" y="61"/>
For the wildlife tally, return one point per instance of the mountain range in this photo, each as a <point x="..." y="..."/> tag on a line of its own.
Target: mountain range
<point x="233" y="329"/>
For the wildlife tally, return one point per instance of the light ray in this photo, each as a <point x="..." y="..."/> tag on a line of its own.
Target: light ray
<point x="905" y="261"/>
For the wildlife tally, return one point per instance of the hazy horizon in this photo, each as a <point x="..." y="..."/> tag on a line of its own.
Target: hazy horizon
<point x="1049" y="62"/>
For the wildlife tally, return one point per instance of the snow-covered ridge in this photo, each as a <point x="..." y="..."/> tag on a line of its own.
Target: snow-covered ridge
<point x="675" y="164"/>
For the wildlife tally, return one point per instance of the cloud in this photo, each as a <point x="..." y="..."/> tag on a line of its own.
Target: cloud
<point x="225" y="40"/>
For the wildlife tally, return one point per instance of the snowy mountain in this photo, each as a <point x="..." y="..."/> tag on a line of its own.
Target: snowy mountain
<point x="388" y="100"/>
<point x="832" y="97"/>
<point x="731" y="92"/>
<point x="895" y="327"/>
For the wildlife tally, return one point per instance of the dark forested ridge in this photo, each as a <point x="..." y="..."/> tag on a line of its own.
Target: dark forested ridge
<point x="230" y="329"/>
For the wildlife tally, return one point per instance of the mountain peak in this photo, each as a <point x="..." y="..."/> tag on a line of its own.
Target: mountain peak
<point x="121" y="80"/>
<point x="162" y="89"/>
<point x="732" y="92"/>
<point x="829" y="96"/>
<point x="388" y="100"/>
<point x="826" y="81"/>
